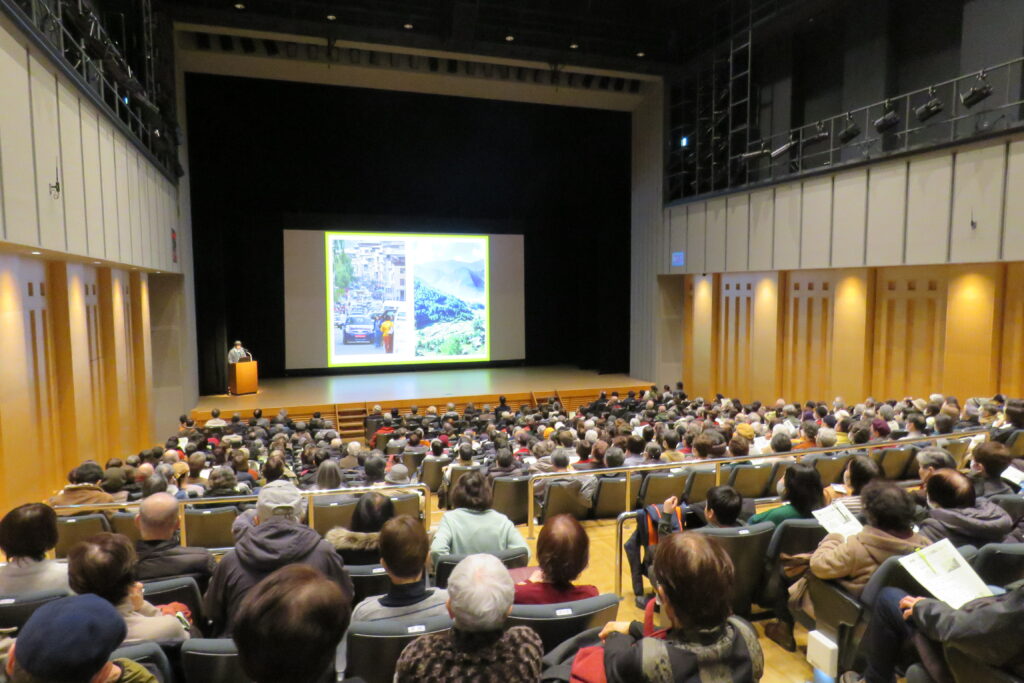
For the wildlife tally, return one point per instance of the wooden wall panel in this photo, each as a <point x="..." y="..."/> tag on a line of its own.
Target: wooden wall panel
<point x="737" y="237"/>
<point x="1011" y="374"/>
<point x="735" y="335"/>
<point x="786" y="238"/>
<point x="977" y="221"/>
<point x="807" y="335"/>
<point x="1013" y="223"/>
<point x="886" y="214"/>
<point x="851" y="365"/>
<point x="18" y="218"/>
<point x="762" y="216"/>
<point x="849" y="219"/>
<point x="816" y="223"/>
<point x="700" y="350"/>
<point x="974" y="307"/>
<point x="716" y="222"/>
<point x="929" y="184"/>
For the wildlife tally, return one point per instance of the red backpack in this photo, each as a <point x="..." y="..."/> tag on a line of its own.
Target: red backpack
<point x="588" y="664"/>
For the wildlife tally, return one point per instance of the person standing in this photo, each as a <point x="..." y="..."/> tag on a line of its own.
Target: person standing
<point x="387" y="330"/>
<point x="236" y="353"/>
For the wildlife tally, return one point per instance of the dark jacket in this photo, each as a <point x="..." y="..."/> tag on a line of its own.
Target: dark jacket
<point x="984" y="523"/>
<point x="166" y="559"/>
<point x="987" y="629"/>
<point x="258" y="552"/>
<point x="734" y="646"/>
<point x="985" y="487"/>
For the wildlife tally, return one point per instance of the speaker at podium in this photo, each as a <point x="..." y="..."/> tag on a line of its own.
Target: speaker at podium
<point x="243" y="377"/>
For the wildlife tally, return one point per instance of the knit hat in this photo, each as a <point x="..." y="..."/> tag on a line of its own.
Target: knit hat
<point x="745" y="430"/>
<point x="399" y="474"/>
<point x="69" y="639"/>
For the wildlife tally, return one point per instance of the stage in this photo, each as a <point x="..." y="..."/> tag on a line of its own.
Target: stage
<point x="405" y="387"/>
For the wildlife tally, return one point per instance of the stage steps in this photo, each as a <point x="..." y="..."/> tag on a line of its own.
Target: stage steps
<point x="351" y="422"/>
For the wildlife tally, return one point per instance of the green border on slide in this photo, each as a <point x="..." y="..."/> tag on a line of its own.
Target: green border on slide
<point x="329" y="299"/>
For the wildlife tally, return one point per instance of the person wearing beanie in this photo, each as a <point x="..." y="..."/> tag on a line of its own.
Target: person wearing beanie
<point x="71" y="639"/>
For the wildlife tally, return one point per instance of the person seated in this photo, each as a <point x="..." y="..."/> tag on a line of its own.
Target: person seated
<point x="958" y="514"/>
<point x="472" y="526"/>
<point x="988" y="630"/>
<point x="71" y="639"/>
<point x="889" y="532"/>
<point x="563" y="552"/>
<point x="160" y="554"/>
<point x="104" y="564"/>
<point x="695" y="579"/>
<point x="289" y="625"/>
<point x="505" y="465"/>
<point x="860" y="470"/>
<point x="464" y="459"/>
<point x="360" y="543"/>
<point x="477" y="647"/>
<point x="583" y="487"/>
<point x="374" y="471"/>
<point x="723" y="507"/>
<point x="404" y="547"/>
<point x="990" y="461"/>
<point x="415" y="443"/>
<point x="1014" y="420"/>
<point x="222" y="485"/>
<point x="802" y="493"/>
<point x="328" y="477"/>
<point x="83" y="488"/>
<point x="27" y="533"/>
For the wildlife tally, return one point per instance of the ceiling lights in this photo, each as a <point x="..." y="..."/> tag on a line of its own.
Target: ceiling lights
<point x="977" y="93"/>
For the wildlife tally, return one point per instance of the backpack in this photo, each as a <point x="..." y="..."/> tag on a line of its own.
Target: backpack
<point x="588" y="664"/>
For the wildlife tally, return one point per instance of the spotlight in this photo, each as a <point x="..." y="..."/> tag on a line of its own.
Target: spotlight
<point x="574" y="45"/>
<point x="786" y="146"/>
<point x="756" y="154"/>
<point x="977" y="93"/>
<point x="887" y="121"/>
<point x="37" y="253"/>
<point x="239" y="5"/>
<point x="331" y="17"/>
<point x="819" y="136"/>
<point x="509" y="37"/>
<point x="930" y="108"/>
<point x="850" y="132"/>
<point x="408" y="27"/>
<point x="641" y="54"/>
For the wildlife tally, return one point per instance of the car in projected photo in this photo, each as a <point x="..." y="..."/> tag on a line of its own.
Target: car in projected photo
<point x="357" y="328"/>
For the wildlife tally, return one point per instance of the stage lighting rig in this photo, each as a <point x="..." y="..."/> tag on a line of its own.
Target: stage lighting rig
<point x="786" y="146"/>
<point x="930" y="108"/>
<point x="978" y="92"/>
<point x="850" y="131"/>
<point x="888" y="120"/>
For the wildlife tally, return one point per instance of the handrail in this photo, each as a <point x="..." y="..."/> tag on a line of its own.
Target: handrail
<point x="619" y="521"/>
<point x="309" y="495"/>
<point x="797" y="456"/>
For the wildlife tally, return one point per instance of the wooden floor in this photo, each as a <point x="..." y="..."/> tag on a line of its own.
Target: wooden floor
<point x="395" y="386"/>
<point x="780" y="666"/>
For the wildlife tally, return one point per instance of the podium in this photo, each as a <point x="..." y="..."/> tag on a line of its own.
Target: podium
<point x="243" y="377"/>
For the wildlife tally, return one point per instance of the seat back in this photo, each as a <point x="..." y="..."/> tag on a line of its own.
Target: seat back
<point x="746" y="546"/>
<point x="457" y="472"/>
<point x="659" y="486"/>
<point x="778" y="472"/>
<point x="367" y="580"/>
<point x="1013" y="504"/>
<point x="124" y="523"/>
<point x="511" y="558"/>
<point x="16" y="609"/>
<point x="1000" y="564"/>
<point x="433" y="472"/>
<point x="380" y="441"/>
<point x="751" y="481"/>
<point x="373" y="647"/>
<point x="412" y="461"/>
<point x="210" y="528"/>
<point x="560" y="498"/>
<point x="510" y="497"/>
<point x="610" y="499"/>
<point x="830" y="468"/>
<point x="966" y="669"/>
<point x="698" y="482"/>
<point x="890" y="573"/>
<point x="894" y="462"/>
<point x="1016" y="444"/>
<point x="149" y="654"/>
<point x="71" y="530"/>
<point x="794" y="536"/>
<point x="958" y="449"/>
<point x="555" y="623"/>
<point x="330" y="514"/>
<point x="183" y="589"/>
<point x="406" y="504"/>
<point x="212" y="660"/>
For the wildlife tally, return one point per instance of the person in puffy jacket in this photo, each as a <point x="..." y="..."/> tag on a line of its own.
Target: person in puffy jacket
<point x="958" y="514"/>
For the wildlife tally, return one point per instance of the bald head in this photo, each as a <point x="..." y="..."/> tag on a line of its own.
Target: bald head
<point x="158" y="517"/>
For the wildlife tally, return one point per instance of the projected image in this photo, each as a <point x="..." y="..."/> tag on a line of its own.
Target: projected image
<point x="397" y="298"/>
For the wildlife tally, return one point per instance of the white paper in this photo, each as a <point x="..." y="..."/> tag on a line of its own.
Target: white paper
<point x="945" y="574"/>
<point x="837" y="519"/>
<point x="1013" y="475"/>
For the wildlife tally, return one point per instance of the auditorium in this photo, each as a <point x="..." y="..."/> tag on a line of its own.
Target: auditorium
<point x="511" y="340"/>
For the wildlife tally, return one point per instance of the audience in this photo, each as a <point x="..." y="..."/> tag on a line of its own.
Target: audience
<point x="277" y="538"/>
<point x="83" y="489"/>
<point x="478" y="647"/>
<point x="27" y="533"/>
<point x="695" y="581"/>
<point x="958" y="514"/>
<point x="990" y="461"/>
<point x="289" y="625"/>
<point x="473" y="526"/>
<point x="404" y="547"/>
<point x="160" y="554"/>
<point x="563" y="552"/>
<point x="104" y="565"/>
<point x="860" y="471"/>
<point x="360" y="543"/>
<point x="802" y="493"/>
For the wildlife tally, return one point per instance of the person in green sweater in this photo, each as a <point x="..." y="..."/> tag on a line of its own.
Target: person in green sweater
<point x="472" y="526"/>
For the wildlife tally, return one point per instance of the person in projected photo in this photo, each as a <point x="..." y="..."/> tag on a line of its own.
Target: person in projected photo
<point x="387" y="330"/>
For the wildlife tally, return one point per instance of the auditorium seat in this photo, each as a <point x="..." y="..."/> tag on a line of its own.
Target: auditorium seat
<point x="210" y="528"/>
<point x="433" y="473"/>
<point x="750" y="480"/>
<point x="791" y="537"/>
<point x="830" y="468"/>
<point x="511" y="558"/>
<point x="367" y="580"/>
<point x="456" y="473"/>
<point x="557" y="622"/>
<point x="412" y="461"/>
<point x="893" y="461"/>
<point x="958" y="449"/>
<point x="329" y="514"/>
<point x="561" y="499"/>
<point x="373" y="647"/>
<point x="407" y="504"/>
<point x="659" y="486"/>
<point x="610" y="499"/>
<point x="778" y="472"/>
<point x="124" y="523"/>
<point x="149" y="654"/>
<point x="16" y="609"/>
<point x="510" y="497"/>
<point x="183" y="589"/>
<point x="747" y="547"/>
<point x="1016" y="444"/>
<point x="71" y="530"/>
<point x="966" y="669"/>
<point x="1000" y="564"/>
<point x="1012" y="503"/>
<point x="212" y="660"/>
<point x="698" y="481"/>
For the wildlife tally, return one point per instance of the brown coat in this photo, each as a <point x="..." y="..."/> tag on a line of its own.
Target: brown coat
<point x="79" y="494"/>
<point x="854" y="560"/>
